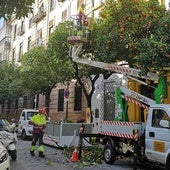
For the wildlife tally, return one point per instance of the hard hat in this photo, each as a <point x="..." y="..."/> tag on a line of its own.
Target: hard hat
<point x="42" y="110"/>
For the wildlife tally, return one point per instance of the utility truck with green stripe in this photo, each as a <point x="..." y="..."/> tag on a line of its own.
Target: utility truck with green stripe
<point x="144" y="140"/>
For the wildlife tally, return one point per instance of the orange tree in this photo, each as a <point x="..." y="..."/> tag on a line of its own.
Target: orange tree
<point x="121" y="29"/>
<point x="154" y="50"/>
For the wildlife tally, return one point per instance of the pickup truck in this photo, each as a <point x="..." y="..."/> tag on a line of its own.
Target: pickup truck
<point x="24" y="129"/>
<point x="148" y="141"/>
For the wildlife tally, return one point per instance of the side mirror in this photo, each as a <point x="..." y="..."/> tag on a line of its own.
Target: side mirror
<point x="164" y="123"/>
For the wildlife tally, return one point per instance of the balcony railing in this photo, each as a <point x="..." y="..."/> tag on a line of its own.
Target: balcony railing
<point x="39" y="15"/>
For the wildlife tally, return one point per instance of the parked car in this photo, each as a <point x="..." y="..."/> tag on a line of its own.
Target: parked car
<point x="24" y="128"/>
<point x="4" y="158"/>
<point x="8" y="138"/>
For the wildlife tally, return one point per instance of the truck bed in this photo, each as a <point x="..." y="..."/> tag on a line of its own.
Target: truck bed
<point x="121" y="129"/>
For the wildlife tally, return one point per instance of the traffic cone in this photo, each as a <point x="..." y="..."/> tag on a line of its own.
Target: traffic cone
<point x="74" y="157"/>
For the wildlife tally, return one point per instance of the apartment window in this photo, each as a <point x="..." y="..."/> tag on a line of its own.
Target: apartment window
<point x="61" y="100"/>
<point x="13" y="55"/>
<point x="15" y="31"/>
<point x="159" y="115"/>
<point x="29" y="43"/>
<point x="52" y="5"/>
<point x="51" y="26"/>
<point x="77" y="98"/>
<point x="64" y="15"/>
<point x="30" y="22"/>
<point x="39" y="38"/>
<point x="51" y="29"/>
<point x="22" y="26"/>
<point x="20" y="52"/>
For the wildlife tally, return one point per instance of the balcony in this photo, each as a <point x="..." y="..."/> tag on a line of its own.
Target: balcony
<point x="39" y="15"/>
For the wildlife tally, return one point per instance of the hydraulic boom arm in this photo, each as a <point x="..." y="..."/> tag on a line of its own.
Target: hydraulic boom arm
<point x="112" y="67"/>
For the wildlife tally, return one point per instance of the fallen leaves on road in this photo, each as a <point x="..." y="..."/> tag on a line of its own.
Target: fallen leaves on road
<point x="90" y="155"/>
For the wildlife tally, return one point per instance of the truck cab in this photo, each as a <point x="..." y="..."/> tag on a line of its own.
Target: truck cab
<point x="24" y="129"/>
<point x="157" y="134"/>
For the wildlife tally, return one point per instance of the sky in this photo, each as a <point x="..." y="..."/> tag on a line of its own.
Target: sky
<point x="1" y="23"/>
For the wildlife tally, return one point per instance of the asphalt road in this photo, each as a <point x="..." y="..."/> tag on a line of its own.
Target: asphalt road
<point x="55" y="160"/>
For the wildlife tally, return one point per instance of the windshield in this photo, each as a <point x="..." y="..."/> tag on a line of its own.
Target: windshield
<point x="5" y="125"/>
<point x="31" y="114"/>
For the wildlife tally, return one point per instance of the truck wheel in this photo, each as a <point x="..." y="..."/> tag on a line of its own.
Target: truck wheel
<point x="23" y="135"/>
<point x="13" y="154"/>
<point x="109" y="154"/>
<point x="168" y="163"/>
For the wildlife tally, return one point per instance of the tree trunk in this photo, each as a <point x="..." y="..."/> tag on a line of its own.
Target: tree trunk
<point x="47" y="98"/>
<point x="8" y="108"/>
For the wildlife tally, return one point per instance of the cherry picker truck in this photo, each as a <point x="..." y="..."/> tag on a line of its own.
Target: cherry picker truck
<point x="144" y="141"/>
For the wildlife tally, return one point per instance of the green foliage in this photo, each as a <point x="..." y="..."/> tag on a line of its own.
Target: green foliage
<point x="20" y="8"/>
<point x="58" y="50"/>
<point x="90" y="155"/>
<point x="68" y="121"/>
<point x="122" y="27"/>
<point x="10" y="82"/>
<point x="35" y="70"/>
<point x="155" y="49"/>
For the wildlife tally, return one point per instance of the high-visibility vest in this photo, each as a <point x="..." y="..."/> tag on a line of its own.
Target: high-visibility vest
<point x="39" y="119"/>
<point x="81" y="11"/>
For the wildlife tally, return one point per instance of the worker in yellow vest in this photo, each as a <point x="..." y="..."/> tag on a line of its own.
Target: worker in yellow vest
<point x="81" y="16"/>
<point x="39" y="124"/>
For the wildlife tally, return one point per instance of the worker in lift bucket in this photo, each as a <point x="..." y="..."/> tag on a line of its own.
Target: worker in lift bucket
<point x="81" y="16"/>
<point x="39" y="124"/>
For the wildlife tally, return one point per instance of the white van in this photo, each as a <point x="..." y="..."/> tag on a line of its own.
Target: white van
<point x="24" y="129"/>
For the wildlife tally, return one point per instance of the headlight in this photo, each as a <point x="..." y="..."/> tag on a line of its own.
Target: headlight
<point x="10" y="136"/>
<point x="3" y="156"/>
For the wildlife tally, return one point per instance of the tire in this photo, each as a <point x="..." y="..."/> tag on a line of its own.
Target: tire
<point x="23" y="135"/>
<point x="168" y="163"/>
<point x="13" y="154"/>
<point x="109" y="154"/>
